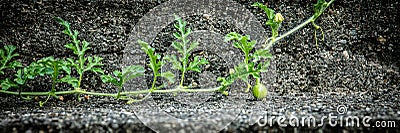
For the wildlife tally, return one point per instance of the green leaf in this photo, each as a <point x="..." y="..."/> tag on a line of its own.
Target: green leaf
<point x="154" y="64"/>
<point x="241" y="42"/>
<point x="263" y="67"/>
<point x="15" y="64"/>
<point x="65" y="24"/>
<point x="176" y="65"/>
<point x="177" y="35"/>
<point x="41" y="103"/>
<point x="178" y="46"/>
<point x="20" y="79"/>
<point x="109" y="79"/>
<point x="93" y="65"/>
<point x="270" y="13"/>
<point x="48" y="71"/>
<point x="7" y="83"/>
<point x="10" y="49"/>
<point x="232" y="36"/>
<point x="241" y="72"/>
<point x="72" y="47"/>
<point x="76" y="35"/>
<point x="117" y="73"/>
<point x="184" y="46"/>
<point x="256" y="75"/>
<point x="195" y="65"/>
<point x="319" y="7"/>
<point x="188" y="31"/>
<point x="133" y="71"/>
<point x="169" y="76"/>
<point x="7" y="54"/>
<point x="97" y="70"/>
<point x="272" y="22"/>
<point x="70" y="80"/>
<point x="261" y="54"/>
<point x="85" y="47"/>
<point x="71" y="61"/>
<point x="193" y="46"/>
<point x="66" y="68"/>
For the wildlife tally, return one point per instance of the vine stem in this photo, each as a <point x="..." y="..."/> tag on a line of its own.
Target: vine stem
<point x="270" y="43"/>
<point x="182" y="78"/>
<point x="79" y="91"/>
<point x="154" y="81"/>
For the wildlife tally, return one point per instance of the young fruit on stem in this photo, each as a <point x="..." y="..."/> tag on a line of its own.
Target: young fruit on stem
<point x="184" y="47"/>
<point x="259" y="90"/>
<point x="274" y="20"/>
<point x="254" y="63"/>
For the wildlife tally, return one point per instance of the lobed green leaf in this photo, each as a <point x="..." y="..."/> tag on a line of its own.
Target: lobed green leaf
<point x="6" y="56"/>
<point x="109" y="79"/>
<point x="241" y="42"/>
<point x="270" y="13"/>
<point x="7" y="83"/>
<point x="70" y="80"/>
<point x="261" y="54"/>
<point x="133" y="71"/>
<point x="169" y="76"/>
<point x="319" y="7"/>
<point x="176" y="65"/>
<point x="195" y="65"/>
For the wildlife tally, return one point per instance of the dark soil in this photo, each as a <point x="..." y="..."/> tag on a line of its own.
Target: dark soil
<point x="357" y="65"/>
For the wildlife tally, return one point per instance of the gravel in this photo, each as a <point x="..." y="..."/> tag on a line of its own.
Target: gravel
<point x="356" y="66"/>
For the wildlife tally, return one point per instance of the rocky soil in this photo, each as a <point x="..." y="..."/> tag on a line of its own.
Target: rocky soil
<point x="355" y="66"/>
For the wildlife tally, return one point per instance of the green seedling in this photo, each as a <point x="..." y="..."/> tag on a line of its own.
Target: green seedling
<point x="134" y="71"/>
<point x="54" y="68"/>
<point x="30" y="72"/>
<point x="83" y="63"/>
<point x="44" y="66"/>
<point x="253" y="64"/>
<point x="184" y="47"/>
<point x="119" y="78"/>
<point x="7" y="54"/>
<point x="155" y="64"/>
